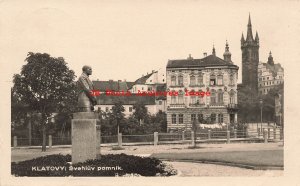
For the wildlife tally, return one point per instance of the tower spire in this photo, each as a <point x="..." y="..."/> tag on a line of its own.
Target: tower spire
<point x="214" y="50"/>
<point x="242" y="39"/>
<point x="227" y="54"/>
<point x="270" y="59"/>
<point x="249" y="31"/>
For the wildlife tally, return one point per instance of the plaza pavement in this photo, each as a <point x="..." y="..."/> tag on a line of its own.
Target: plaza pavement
<point x="184" y="168"/>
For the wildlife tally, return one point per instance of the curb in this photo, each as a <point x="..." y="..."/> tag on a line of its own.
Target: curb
<point x="240" y="165"/>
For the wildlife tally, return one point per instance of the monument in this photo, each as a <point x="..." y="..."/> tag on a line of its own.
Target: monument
<point x="85" y="123"/>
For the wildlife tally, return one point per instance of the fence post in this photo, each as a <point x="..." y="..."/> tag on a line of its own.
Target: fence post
<point x="155" y="138"/>
<point x="269" y="133"/>
<point x="120" y="139"/>
<point x="228" y="136"/>
<point x="265" y="136"/>
<point x="50" y="141"/>
<point x="15" y="141"/>
<point x="209" y="134"/>
<point x="281" y="133"/>
<point x="193" y="138"/>
<point x="235" y="134"/>
<point x="274" y="132"/>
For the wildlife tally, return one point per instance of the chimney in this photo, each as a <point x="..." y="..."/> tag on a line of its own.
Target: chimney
<point x="190" y="57"/>
<point x="204" y="54"/>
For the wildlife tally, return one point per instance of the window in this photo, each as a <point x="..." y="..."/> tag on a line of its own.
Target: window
<point x="180" y="98"/>
<point x="180" y="118"/>
<point x="200" y="118"/>
<point x="201" y="99"/>
<point x="231" y="79"/>
<point x="192" y="81"/>
<point x="180" y="80"/>
<point x="231" y="97"/>
<point x="212" y="80"/>
<point x="106" y="109"/>
<point x="173" y="118"/>
<point x="213" y="118"/>
<point x="173" y="80"/>
<point x="193" y="117"/>
<point x="220" y="96"/>
<point x="193" y="99"/>
<point x="173" y="99"/>
<point x="160" y="102"/>
<point x="220" y="118"/>
<point x="200" y="80"/>
<point x="213" y="97"/>
<point x="220" y="80"/>
<point x="130" y="109"/>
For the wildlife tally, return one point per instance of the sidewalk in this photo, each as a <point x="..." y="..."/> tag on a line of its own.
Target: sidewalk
<point x="21" y="154"/>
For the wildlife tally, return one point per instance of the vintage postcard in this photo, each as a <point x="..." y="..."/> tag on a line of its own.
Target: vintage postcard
<point x="149" y="92"/>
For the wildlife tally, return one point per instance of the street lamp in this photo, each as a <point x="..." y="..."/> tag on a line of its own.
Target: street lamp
<point x="261" y="106"/>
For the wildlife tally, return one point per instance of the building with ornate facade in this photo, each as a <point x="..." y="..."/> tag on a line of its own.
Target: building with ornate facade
<point x="209" y="74"/>
<point x="270" y="75"/>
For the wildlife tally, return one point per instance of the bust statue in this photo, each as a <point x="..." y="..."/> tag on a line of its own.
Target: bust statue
<point x="86" y="100"/>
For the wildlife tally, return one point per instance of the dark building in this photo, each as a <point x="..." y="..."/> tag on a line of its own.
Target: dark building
<point x="250" y="59"/>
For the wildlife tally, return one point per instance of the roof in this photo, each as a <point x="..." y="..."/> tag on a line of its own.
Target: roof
<point x="112" y="85"/>
<point x="142" y="80"/>
<point x="103" y="99"/>
<point x="273" y="68"/>
<point x="208" y="61"/>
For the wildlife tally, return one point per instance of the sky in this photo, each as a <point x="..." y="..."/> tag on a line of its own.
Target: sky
<point x="126" y="39"/>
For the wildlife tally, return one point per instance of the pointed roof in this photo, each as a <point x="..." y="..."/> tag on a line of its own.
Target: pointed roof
<point x="243" y="39"/>
<point x="256" y="37"/>
<point x="227" y="52"/>
<point x="249" y="31"/>
<point x="214" y="50"/>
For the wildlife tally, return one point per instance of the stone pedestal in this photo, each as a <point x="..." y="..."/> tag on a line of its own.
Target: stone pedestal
<point x="85" y="136"/>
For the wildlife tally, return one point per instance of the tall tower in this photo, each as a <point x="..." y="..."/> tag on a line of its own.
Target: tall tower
<point x="250" y="59"/>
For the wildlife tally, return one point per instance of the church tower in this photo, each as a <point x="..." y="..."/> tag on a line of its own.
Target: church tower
<point x="250" y="59"/>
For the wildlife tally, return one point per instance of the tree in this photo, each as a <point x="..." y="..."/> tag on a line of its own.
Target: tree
<point x="140" y="112"/>
<point x="46" y="85"/>
<point x="248" y="102"/>
<point x="117" y="113"/>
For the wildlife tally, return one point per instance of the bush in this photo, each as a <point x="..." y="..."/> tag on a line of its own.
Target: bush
<point x="108" y="165"/>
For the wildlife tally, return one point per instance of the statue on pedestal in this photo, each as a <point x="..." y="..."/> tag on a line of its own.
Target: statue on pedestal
<point x="86" y="99"/>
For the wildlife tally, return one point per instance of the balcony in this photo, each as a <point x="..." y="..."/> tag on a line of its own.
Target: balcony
<point x="232" y="107"/>
<point x="216" y="105"/>
<point x="176" y="106"/>
<point x="176" y="86"/>
<point x="197" y="105"/>
<point x="196" y="85"/>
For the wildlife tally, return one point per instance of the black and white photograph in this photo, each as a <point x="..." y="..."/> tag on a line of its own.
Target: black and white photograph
<point x="116" y="92"/>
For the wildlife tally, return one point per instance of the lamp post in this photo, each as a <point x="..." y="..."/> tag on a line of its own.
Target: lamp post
<point x="261" y="106"/>
<point x="29" y="128"/>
